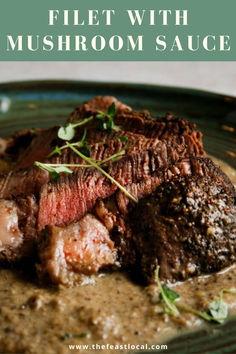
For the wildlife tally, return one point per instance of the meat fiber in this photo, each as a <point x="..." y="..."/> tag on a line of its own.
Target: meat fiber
<point x="138" y="122"/>
<point x="21" y="181"/>
<point x="72" y="196"/>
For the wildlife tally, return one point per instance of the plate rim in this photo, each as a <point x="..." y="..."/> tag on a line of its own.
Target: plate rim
<point x="56" y="83"/>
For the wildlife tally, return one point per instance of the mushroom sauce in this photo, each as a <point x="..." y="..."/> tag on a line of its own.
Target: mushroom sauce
<point x="113" y="309"/>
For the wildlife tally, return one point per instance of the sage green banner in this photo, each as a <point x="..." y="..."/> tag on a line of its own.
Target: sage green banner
<point x="133" y="30"/>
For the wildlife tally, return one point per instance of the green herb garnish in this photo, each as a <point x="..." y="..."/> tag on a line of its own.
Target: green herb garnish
<point x="219" y="309"/>
<point x="67" y="132"/>
<point x="85" y="149"/>
<point x="56" y="169"/>
<point x="95" y="165"/>
<point x="80" y="144"/>
<point x="33" y="132"/>
<point x="217" y="312"/>
<point x="57" y="150"/>
<point x="113" y="158"/>
<point x="122" y="138"/>
<point x="53" y="171"/>
<point x="107" y="119"/>
<point x="168" y="296"/>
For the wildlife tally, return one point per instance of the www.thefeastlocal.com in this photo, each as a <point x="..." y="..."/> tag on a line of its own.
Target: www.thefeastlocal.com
<point x="117" y="347"/>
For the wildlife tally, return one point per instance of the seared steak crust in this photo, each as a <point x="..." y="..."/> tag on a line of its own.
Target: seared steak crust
<point x="187" y="226"/>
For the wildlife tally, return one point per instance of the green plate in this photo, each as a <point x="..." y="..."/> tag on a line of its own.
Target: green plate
<point x="45" y="103"/>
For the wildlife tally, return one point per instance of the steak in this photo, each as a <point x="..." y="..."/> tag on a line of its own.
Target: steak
<point x="62" y="204"/>
<point x="28" y="145"/>
<point x="187" y="226"/>
<point x="184" y="220"/>
<point x="72" y="196"/>
<point x="21" y="181"/>
<point x="39" y="148"/>
<point x="10" y="235"/>
<point x="137" y="122"/>
<point x="70" y="254"/>
<point x="142" y="131"/>
<point x="18" y="233"/>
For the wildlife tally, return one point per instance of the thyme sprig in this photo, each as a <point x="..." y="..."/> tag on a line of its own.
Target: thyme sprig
<point x="82" y="149"/>
<point x="67" y="131"/>
<point x="49" y="166"/>
<point x="80" y="144"/>
<point x="107" y="119"/>
<point x="167" y="296"/>
<point x="95" y="165"/>
<point x="54" y="171"/>
<point x="217" y="311"/>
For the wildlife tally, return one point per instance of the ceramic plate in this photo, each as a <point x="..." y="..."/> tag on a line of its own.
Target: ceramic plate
<point x="45" y="103"/>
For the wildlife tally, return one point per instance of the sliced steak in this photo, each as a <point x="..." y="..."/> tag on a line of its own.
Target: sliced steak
<point x="142" y="132"/>
<point x="71" y="197"/>
<point x="29" y="145"/>
<point x="22" y="182"/>
<point x="29" y="180"/>
<point x="70" y="254"/>
<point x="39" y="148"/>
<point x="99" y="103"/>
<point x="17" y="143"/>
<point x="18" y="228"/>
<point x="137" y="122"/>
<point x="187" y="226"/>
<point x="10" y="235"/>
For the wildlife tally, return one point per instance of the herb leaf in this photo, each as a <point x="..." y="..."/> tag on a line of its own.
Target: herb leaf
<point x="219" y="309"/>
<point x="122" y="138"/>
<point x="67" y="132"/>
<point x="111" y="111"/>
<point x="57" y="150"/>
<point x="32" y="132"/>
<point x="85" y="149"/>
<point x="107" y="119"/>
<point x="53" y="171"/>
<point x="171" y="294"/>
<point x="217" y="312"/>
<point x="168" y="296"/>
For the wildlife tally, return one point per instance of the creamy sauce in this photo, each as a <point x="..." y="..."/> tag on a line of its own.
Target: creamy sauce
<point x="113" y="309"/>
